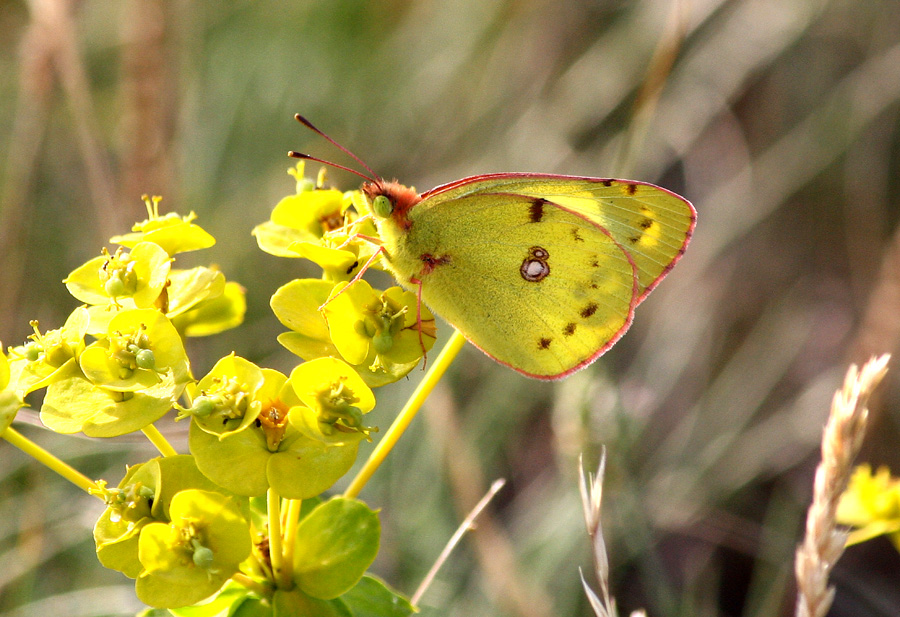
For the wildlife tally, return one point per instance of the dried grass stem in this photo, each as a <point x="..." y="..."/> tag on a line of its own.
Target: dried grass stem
<point x="841" y="440"/>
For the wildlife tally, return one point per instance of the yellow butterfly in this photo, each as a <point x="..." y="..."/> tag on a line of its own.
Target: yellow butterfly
<point x="541" y="272"/>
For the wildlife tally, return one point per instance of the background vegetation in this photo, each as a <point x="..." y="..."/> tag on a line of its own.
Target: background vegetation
<point x="777" y="118"/>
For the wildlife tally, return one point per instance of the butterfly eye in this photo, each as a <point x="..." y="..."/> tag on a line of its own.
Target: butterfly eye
<point x="382" y="207"/>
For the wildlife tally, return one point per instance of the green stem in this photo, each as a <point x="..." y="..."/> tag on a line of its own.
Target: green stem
<point x="42" y="456"/>
<point x="157" y="439"/>
<point x="255" y="586"/>
<point x="273" y="505"/>
<point x="387" y="443"/>
<point x="286" y="580"/>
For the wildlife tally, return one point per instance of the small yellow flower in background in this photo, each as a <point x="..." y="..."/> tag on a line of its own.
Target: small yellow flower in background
<point x="175" y="234"/>
<point x="871" y="503"/>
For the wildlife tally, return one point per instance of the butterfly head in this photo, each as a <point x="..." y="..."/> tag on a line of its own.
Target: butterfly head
<point x="391" y="200"/>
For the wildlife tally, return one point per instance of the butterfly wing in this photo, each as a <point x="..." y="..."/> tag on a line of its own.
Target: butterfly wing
<point x="536" y="286"/>
<point x="652" y="224"/>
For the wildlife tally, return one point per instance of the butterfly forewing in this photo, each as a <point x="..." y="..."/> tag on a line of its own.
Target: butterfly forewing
<point x="652" y="224"/>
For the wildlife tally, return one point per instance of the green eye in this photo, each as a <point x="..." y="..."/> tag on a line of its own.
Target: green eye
<point x="382" y="207"/>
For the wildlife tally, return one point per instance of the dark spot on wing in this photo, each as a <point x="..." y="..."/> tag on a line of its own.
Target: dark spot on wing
<point x="607" y="182"/>
<point x="646" y="224"/>
<point x="544" y="343"/>
<point x="589" y="310"/>
<point x="576" y="236"/>
<point x="630" y="189"/>
<point x="350" y="269"/>
<point x="569" y="330"/>
<point x="536" y="211"/>
<point x="534" y="267"/>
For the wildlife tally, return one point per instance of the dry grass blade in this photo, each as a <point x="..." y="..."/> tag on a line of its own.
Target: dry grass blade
<point x="466" y="525"/>
<point x="591" y="488"/>
<point x="824" y="542"/>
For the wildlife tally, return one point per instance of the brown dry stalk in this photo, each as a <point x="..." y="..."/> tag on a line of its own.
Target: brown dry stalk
<point x="841" y="440"/>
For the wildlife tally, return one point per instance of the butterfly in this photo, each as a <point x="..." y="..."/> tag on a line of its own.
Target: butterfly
<point x="541" y="272"/>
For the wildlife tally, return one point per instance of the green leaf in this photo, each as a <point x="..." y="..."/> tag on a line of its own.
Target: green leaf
<point x="154" y="612"/>
<point x="371" y="597"/>
<point x="336" y="543"/>
<point x="297" y="604"/>
<point x="308" y="467"/>
<point x="74" y="405"/>
<point x="176" y="474"/>
<point x="236" y="463"/>
<point x="242" y="463"/>
<point x="252" y="607"/>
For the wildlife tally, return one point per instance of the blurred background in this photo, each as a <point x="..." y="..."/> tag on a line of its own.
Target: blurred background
<point x="779" y="119"/>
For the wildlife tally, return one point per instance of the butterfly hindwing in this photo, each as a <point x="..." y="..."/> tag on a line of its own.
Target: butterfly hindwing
<point x="534" y="285"/>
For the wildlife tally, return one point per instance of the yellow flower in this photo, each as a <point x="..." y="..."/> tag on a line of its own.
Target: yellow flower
<point x="871" y="503"/>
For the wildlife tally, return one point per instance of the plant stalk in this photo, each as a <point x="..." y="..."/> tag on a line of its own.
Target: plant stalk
<point x="41" y="455"/>
<point x="403" y="420"/>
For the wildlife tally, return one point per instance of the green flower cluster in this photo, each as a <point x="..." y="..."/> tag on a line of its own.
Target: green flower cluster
<point x="381" y="334"/>
<point x="137" y="309"/>
<point x="239" y="524"/>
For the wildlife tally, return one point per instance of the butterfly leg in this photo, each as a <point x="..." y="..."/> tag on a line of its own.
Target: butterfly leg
<point x="358" y="236"/>
<point x="358" y="276"/>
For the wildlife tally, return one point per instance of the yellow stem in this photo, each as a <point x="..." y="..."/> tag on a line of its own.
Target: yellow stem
<point x="387" y="443"/>
<point x="255" y="586"/>
<point x="42" y="456"/>
<point x="273" y="503"/>
<point x="286" y="581"/>
<point x="157" y="439"/>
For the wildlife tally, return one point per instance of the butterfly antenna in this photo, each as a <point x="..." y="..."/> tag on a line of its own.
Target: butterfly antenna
<point x="374" y="177"/>
<point x="307" y="157"/>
